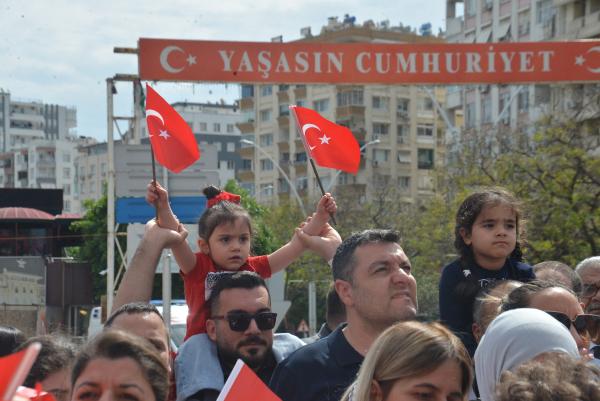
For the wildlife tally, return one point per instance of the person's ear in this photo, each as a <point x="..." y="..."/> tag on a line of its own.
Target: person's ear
<point x="375" y="393"/>
<point x="211" y="329"/>
<point x="465" y="235"/>
<point x="344" y="290"/>
<point x="203" y="245"/>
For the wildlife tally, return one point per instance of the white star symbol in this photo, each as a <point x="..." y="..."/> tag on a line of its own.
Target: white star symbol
<point x="324" y="139"/>
<point x="164" y="134"/>
<point x="191" y="60"/>
<point x="579" y="60"/>
<point x="21" y="263"/>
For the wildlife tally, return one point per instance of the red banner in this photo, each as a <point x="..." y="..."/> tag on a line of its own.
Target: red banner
<point x="367" y="63"/>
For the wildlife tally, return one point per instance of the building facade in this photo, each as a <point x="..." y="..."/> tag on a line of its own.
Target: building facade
<point x="510" y="108"/>
<point x="38" y="147"/>
<point x="397" y="128"/>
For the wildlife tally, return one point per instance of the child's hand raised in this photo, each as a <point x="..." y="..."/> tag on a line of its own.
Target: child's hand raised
<point x="156" y="195"/>
<point x="325" y="208"/>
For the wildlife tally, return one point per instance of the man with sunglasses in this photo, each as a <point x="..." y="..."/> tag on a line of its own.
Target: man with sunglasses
<point x="240" y="327"/>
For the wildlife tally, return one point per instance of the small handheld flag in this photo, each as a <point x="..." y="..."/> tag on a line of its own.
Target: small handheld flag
<point x="244" y="385"/>
<point x="329" y="144"/>
<point x="172" y="139"/>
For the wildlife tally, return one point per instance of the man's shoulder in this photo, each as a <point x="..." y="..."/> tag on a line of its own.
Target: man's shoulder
<point x="313" y="354"/>
<point x="284" y="344"/>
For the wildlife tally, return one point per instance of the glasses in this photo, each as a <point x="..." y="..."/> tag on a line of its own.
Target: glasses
<point x="590" y="290"/>
<point x="240" y="321"/>
<point x="584" y="324"/>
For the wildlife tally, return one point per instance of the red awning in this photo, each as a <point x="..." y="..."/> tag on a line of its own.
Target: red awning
<point x="23" y="213"/>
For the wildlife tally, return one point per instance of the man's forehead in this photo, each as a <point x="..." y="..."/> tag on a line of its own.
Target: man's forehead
<point x="245" y="299"/>
<point x="590" y="275"/>
<point x="373" y="251"/>
<point x="139" y="323"/>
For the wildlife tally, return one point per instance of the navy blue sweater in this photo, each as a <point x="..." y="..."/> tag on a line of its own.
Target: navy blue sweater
<point x="456" y="308"/>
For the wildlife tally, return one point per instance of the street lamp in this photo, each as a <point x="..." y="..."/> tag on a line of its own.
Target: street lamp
<point x="292" y="186"/>
<point x="334" y="179"/>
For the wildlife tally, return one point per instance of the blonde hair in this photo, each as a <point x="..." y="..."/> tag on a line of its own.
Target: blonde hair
<point x="409" y="349"/>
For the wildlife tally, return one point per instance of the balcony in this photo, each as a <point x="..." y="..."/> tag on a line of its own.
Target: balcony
<point x="300" y="168"/>
<point x="245" y="175"/>
<point x="300" y="92"/>
<point x="27" y="132"/>
<point x="283" y="145"/>
<point x="246" y="152"/>
<point x="246" y="127"/>
<point x="454" y="99"/>
<point x="246" y="103"/>
<point x="283" y="96"/>
<point x="283" y="120"/>
<point x="345" y="112"/>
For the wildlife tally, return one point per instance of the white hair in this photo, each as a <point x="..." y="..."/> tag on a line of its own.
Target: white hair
<point x="585" y="264"/>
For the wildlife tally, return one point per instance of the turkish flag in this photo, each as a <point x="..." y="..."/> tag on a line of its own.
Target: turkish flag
<point x="244" y="385"/>
<point x="14" y="369"/>
<point x="328" y="144"/>
<point x="173" y="141"/>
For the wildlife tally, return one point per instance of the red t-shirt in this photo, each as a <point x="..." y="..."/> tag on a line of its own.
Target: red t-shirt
<point x="194" y="287"/>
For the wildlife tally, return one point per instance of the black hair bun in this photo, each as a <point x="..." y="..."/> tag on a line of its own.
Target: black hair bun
<point x="211" y="191"/>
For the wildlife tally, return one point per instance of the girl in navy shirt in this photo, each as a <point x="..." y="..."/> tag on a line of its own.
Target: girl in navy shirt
<point x="487" y="238"/>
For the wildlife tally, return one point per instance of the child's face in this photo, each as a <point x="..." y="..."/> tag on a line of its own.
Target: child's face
<point x="493" y="236"/>
<point x="229" y="245"/>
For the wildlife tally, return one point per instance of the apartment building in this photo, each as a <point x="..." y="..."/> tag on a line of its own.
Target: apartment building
<point x="397" y="128"/>
<point x="38" y="146"/>
<point x="510" y="108"/>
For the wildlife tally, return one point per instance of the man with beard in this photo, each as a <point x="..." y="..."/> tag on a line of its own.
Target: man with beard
<point x="241" y="325"/>
<point x="373" y="279"/>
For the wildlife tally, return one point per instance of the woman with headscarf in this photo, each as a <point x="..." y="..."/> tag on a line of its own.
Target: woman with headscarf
<point x="514" y="337"/>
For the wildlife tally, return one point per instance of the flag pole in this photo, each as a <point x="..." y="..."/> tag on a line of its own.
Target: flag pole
<point x="312" y="163"/>
<point x="154" y="178"/>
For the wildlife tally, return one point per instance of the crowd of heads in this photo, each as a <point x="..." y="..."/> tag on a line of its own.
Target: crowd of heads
<point x="531" y="335"/>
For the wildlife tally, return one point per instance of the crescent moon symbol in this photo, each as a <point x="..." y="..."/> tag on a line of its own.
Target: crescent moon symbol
<point x="156" y="114"/>
<point x="305" y="128"/>
<point x="595" y="49"/>
<point x="164" y="59"/>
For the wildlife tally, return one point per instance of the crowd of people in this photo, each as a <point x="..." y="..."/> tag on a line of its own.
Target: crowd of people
<point x="507" y="330"/>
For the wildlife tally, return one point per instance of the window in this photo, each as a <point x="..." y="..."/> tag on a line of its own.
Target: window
<point x="67" y="172"/>
<point x="321" y="105"/>
<point x="190" y="124"/>
<point x="218" y="145"/>
<point x="381" y="128"/>
<point x="300" y="157"/>
<point x="381" y="103"/>
<point x="381" y="155"/>
<point x="66" y="157"/>
<point x="404" y="156"/>
<point x="246" y="164"/>
<point x="67" y="189"/>
<point x="350" y="98"/>
<point x="403" y="105"/>
<point x="92" y="169"/>
<point x="470" y="115"/>
<point x="229" y="128"/>
<point x="404" y="182"/>
<point x="486" y="110"/>
<point x="247" y="91"/>
<point x="266" y="165"/>
<point x="301" y="183"/>
<point x="426" y="104"/>
<point x="265" y="115"/>
<point x="66" y="205"/>
<point x="425" y="130"/>
<point x="470" y="9"/>
<point x="103" y="168"/>
<point x="266" y="189"/>
<point x="266" y="140"/>
<point x="231" y="146"/>
<point x="284" y="109"/>
<point x="403" y="133"/>
<point x="425" y="159"/>
<point x="523" y="100"/>
<point x="266" y="90"/>
<point x="283" y="185"/>
<point x="217" y="127"/>
<point x="203" y="127"/>
<point x="230" y="164"/>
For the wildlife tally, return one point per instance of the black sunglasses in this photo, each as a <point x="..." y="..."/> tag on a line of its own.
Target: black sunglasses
<point x="584" y="324"/>
<point x="240" y="321"/>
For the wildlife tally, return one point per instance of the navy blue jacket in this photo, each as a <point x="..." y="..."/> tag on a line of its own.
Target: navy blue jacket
<point x="456" y="309"/>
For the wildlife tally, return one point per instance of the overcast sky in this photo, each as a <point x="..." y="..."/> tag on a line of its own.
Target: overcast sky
<point x="61" y="51"/>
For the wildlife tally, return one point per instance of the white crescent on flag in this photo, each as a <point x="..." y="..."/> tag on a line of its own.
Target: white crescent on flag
<point x="156" y="114"/>
<point x="595" y="49"/>
<point x="305" y="128"/>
